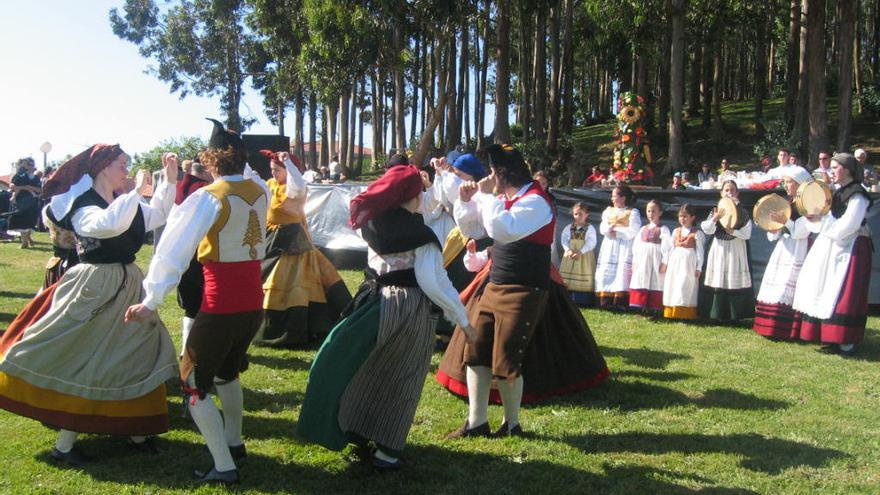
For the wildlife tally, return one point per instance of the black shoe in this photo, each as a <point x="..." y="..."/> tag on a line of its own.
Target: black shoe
<point x="505" y="431"/>
<point x="383" y="466"/>
<point x="148" y="446"/>
<point x="75" y="457"/>
<point x="830" y="349"/>
<point x="238" y="452"/>
<point x="463" y="432"/>
<point x="213" y="476"/>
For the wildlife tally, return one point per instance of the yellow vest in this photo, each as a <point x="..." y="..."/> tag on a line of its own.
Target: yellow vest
<point x="277" y="216"/>
<point x="238" y="232"/>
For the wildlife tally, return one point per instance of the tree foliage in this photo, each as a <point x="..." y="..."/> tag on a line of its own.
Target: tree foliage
<point x="186" y="148"/>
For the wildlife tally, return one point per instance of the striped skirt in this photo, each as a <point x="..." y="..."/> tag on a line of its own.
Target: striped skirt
<point x="368" y="376"/>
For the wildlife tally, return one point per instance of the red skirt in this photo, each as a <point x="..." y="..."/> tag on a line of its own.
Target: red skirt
<point x="646" y="299"/>
<point x="847" y="323"/>
<point x="776" y="321"/>
<point x="34" y="310"/>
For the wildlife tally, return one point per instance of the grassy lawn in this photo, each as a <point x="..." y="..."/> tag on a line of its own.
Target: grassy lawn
<point x="689" y="409"/>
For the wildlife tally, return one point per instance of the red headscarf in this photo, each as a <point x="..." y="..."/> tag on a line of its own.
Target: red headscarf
<point x="91" y="161"/>
<point x="400" y="184"/>
<point x="273" y="155"/>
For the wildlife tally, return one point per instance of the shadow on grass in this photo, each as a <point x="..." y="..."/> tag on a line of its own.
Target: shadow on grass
<point x="645" y="358"/>
<point x="261" y="400"/>
<point x="291" y="363"/>
<point x="767" y="455"/>
<point x="427" y="469"/>
<point x="638" y="395"/>
<point x="657" y="376"/>
<point x="869" y="349"/>
<point x="6" y="318"/>
<point x="16" y="295"/>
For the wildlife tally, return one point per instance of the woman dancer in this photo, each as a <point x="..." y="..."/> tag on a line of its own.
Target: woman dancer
<point x="620" y="224"/>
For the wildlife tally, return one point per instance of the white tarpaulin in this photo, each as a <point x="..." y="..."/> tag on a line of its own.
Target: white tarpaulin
<point x="327" y="214"/>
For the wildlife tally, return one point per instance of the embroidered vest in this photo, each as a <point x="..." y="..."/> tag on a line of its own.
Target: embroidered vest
<point x="238" y="233"/>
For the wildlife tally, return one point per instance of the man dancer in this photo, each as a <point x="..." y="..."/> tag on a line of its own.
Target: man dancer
<point x="225" y="221"/>
<point x="520" y="221"/>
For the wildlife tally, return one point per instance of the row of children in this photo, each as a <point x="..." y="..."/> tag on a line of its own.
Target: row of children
<point x="649" y="268"/>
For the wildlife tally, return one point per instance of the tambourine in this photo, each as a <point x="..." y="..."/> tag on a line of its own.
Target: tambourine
<point x="766" y="206"/>
<point x="730" y="214"/>
<point x="813" y="198"/>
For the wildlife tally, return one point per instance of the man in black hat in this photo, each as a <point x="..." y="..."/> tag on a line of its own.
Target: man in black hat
<point x="225" y="222"/>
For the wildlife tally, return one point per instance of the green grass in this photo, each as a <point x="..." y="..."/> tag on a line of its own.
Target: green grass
<point x="689" y="409"/>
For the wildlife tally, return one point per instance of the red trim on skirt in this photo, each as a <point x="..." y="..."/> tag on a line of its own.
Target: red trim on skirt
<point x="847" y="323"/>
<point x="460" y="388"/>
<point x="34" y="310"/>
<point x="777" y="321"/>
<point x="644" y="298"/>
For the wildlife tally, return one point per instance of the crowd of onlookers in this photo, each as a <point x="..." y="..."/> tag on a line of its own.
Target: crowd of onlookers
<point x="707" y="175"/>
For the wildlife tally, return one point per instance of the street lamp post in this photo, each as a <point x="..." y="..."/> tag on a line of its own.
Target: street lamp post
<point x="45" y="148"/>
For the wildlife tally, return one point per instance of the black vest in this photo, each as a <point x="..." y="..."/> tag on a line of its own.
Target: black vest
<point x="521" y="263"/>
<point x="119" y="249"/>
<point x="840" y="198"/>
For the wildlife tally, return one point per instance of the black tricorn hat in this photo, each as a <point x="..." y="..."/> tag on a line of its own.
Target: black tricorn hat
<point x="504" y="155"/>
<point x="222" y="138"/>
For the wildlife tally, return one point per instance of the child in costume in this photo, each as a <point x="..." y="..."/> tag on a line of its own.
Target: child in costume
<point x="620" y="225"/>
<point x="578" y="263"/>
<point x="649" y="246"/>
<point x="681" y="267"/>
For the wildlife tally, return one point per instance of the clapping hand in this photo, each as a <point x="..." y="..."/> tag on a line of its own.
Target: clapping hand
<point x="466" y="191"/>
<point x="170" y="166"/>
<point x="143" y="182"/>
<point x="487" y="184"/>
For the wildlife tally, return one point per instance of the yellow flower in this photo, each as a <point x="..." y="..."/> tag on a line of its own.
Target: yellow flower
<point x="630" y="114"/>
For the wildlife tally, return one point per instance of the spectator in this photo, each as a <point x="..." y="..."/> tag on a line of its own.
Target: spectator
<point x="824" y="172"/>
<point x="677" y="183"/>
<point x="686" y="180"/>
<point x="706" y="175"/>
<point x="335" y="169"/>
<point x="26" y="190"/>
<point x="595" y="179"/>
<point x="870" y="175"/>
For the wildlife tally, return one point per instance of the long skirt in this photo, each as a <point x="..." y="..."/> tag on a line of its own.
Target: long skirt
<point x="304" y="295"/>
<point x="847" y="323"/>
<point x="368" y="376"/>
<point x="453" y="260"/>
<point x="613" y="273"/>
<point x="776" y="321"/>
<point x="646" y="284"/>
<point x="681" y="287"/>
<point x="727" y="293"/>
<point x="562" y="357"/>
<point x="74" y="364"/>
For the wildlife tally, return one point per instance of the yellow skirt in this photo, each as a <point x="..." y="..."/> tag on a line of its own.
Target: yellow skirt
<point x="680" y="312"/>
<point x="296" y="280"/>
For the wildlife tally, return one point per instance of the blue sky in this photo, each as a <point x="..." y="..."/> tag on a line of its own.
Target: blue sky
<point x="67" y="79"/>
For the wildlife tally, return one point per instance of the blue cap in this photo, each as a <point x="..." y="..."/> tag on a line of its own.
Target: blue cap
<point x="470" y="164"/>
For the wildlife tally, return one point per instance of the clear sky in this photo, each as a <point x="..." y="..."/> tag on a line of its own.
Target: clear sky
<point x="67" y="79"/>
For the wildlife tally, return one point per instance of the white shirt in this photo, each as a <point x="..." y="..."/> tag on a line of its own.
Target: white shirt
<point x="589" y="239"/>
<point x="105" y="223"/>
<point x="335" y="168"/>
<point x="523" y="218"/>
<point x="310" y="176"/>
<point x="187" y="226"/>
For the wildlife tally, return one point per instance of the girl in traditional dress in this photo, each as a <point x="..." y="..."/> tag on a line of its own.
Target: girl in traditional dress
<point x="77" y="365"/>
<point x="304" y="293"/>
<point x="620" y="225"/>
<point x="727" y="287"/>
<point x="774" y="316"/>
<point x="681" y="267"/>
<point x="832" y="289"/>
<point x="646" y="285"/>
<point x="578" y="263"/>
<point x="367" y="378"/>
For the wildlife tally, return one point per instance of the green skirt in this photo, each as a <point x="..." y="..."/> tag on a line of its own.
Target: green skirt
<point x="341" y="355"/>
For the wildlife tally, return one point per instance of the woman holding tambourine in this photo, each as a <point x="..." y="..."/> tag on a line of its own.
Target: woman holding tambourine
<point x="727" y="293"/>
<point x="774" y="316"/>
<point x="832" y="290"/>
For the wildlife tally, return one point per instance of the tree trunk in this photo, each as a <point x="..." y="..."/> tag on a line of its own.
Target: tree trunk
<point x="675" y="159"/>
<point x="414" y="109"/>
<point x="760" y="70"/>
<point x="299" y="130"/>
<point x="845" y="78"/>
<point x="313" y="132"/>
<point x="771" y="62"/>
<point x="555" y="62"/>
<point x="484" y="65"/>
<point x="446" y="79"/>
<point x="792" y="72"/>
<point x="375" y="121"/>
<point x="525" y="73"/>
<point x="360" y="150"/>
<point x="875" y="48"/>
<point x="502" y="73"/>
<point x="352" y="115"/>
<point x="451" y="140"/>
<point x="696" y="73"/>
<point x="539" y="73"/>
<point x="460" y="96"/>
<point x="706" y="88"/>
<point x="801" y="129"/>
<point x="325" y="137"/>
<point x="816" y="49"/>
<point x="343" y="128"/>
<point x="568" y="70"/>
<point x="717" y="124"/>
<point x="665" y="61"/>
